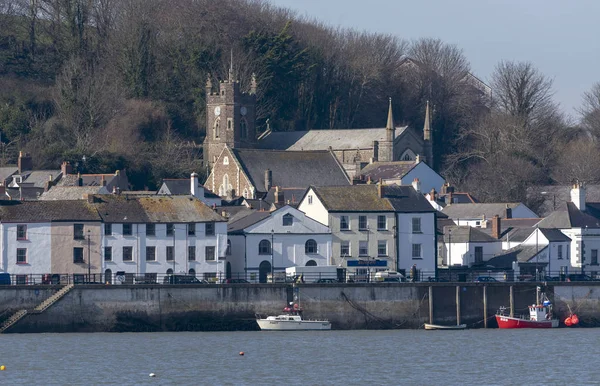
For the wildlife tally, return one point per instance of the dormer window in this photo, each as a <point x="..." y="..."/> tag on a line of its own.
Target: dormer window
<point x="288" y="220"/>
<point x="226" y="161"/>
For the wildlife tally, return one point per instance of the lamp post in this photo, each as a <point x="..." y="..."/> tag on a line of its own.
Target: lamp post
<point x="89" y="257"/>
<point x="272" y="262"/>
<point x="449" y="247"/>
<point x="368" y="257"/>
<point x="537" y="276"/>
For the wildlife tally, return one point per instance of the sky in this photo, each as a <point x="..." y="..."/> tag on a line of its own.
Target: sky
<point x="560" y="37"/>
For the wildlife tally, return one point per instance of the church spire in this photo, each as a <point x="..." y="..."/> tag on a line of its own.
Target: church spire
<point x="389" y="128"/>
<point x="426" y="128"/>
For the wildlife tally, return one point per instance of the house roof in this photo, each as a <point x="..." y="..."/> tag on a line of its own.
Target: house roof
<point x="293" y="195"/>
<point x="405" y="199"/>
<point x="466" y="234"/>
<point x="71" y="192"/>
<point x="323" y="139"/>
<point x="387" y="170"/>
<point x="520" y="253"/>
<point x="291" y="169"/>
<point x="569" y="216"/>
<point x="554" y="235"/>
<point x="7" y="171"/>
<point x="244" y="222"/>
<point x="478" y="210"/>
<point x="458" y="198"/>
<point x="39" y="178"/>
<point x="176" y="186"/>
<point x="553" y="197"/>
<point x="117" y="179"/>
<point x="355" y="198"/>
<point x="47" y="211"/>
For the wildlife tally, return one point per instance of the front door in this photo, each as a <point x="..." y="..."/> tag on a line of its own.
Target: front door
<point x="264" y="269"/>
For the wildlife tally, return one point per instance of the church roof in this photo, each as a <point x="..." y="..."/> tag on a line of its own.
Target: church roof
<point x="291" y="169"/>
<point x="387" y="170"/>
<point x="323" y="139"/>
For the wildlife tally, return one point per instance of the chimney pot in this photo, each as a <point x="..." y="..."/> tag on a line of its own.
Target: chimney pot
<point x="417" y="185"/>
<point x="268" y="179"/>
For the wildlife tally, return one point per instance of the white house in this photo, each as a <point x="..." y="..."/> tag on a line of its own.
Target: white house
<point x="376" y="227"/>
<point x="478" y="214"/>
<point x="468" y="246"/>
<point x="188" y="187"/>
<point x="268" y="242"/>
<point x="155" y="236"/>
<point x="26" y="246"/>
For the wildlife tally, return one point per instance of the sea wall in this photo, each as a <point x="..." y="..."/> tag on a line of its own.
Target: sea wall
<point x="92" y="308"/>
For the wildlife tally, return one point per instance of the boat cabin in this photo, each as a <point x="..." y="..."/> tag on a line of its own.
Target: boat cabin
<point x="540" y="313"/>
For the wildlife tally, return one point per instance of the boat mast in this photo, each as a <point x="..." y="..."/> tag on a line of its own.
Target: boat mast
<point x="537" y="295"/>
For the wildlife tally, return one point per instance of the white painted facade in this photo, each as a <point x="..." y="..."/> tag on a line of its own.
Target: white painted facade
<point x="520" y="211"/>
<point x="557" y="254"/>
<point x="586" y="240"/>
<point x="291" y="244"/>
<point x="463" y="254"/>
<point x="181" y="264"/>
<point x="427" y="176"/>
<point x="426" y="238"/>
<point x="37" y="243"/>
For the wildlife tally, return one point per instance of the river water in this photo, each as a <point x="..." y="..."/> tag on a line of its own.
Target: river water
<point x="417" y="357"/>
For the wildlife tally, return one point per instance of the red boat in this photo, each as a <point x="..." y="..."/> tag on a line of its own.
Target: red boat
<point x="540" y="316"/>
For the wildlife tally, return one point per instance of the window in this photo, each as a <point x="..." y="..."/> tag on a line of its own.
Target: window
<point x="382" y="248"/>
<point x="107" y="253"/>
<point x="560" y="252"/>
<point x="77" y="255"/>
<point x="362" y="223"/>
<point x="416" y="251"/>
<point x="216" y="128"/>
<point x="310" y="247"/>
<point x="21" y="232"/>
<point x="209" y="229"/>
<point x="381" y="223"/>
<point x="478" y="254"/>
<point x="107" y="229"/>
<point x="150" y="253"/>
<point x="127" y="253"/>
<point x="228" y="251"/>
<point x="594" y="257"/>
<point x="192" y="229"/>
<point x="78" y="231"/>
<point x="127" y="230"/>
<point x="209" y="253"/>
<point x="344" y="223"/>
<point x="225" y="160"/>
<point x="150" y="229"/>
<point x="191" y="253"/>
<point x="229" y="123"/>
<point x="192" y="272"/>
<point x="345" y="248"/>
<point x="264" y="247"/>
<point x="310" y="199"/>
<point x="363" y="248"/>
<point x="416" y="225"/>
<point x="244" y="128"/>
<point x="21" y="255"/>
<point x="288" y="220"/>
<point x="170" y="229"/>
<point x="170" y="253"/>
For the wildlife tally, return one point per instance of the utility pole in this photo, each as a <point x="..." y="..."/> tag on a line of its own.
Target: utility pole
<point x="89" y="257"/>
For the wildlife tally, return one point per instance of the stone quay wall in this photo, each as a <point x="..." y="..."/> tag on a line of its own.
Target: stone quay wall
<point x="120" y="308"/>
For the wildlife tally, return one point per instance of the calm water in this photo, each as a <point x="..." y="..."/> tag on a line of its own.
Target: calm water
<point x="482" y="357"/>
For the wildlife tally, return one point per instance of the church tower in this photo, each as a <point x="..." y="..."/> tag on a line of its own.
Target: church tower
<point x="230" y="117"/>
<point x="427" y="138"/>
<point x="386" y="148"/>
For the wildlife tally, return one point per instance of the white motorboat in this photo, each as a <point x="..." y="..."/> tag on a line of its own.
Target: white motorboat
<point x="440" y="327"/>
<point x="289" y="322"/>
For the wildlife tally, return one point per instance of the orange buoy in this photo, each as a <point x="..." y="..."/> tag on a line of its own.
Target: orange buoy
<point x="568" y="322"/>
<point x="241" y="353"/>
<point x="574" y="319"/>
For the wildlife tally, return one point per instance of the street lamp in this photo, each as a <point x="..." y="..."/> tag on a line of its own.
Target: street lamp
<point x="272" y="263"/>
<point x="89" y="257"/>
<point x="368" y="257"/>
<point x="449" y="247"/>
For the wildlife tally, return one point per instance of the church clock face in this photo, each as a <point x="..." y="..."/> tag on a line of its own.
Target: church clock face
<point x="244" y="110"/>
<point x="217" y="111"/>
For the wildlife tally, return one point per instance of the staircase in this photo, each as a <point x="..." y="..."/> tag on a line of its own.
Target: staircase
<point x="37" y="310"/>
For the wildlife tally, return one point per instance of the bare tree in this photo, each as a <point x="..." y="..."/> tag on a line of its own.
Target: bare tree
<point x="578" y="161"/>
<point x="590" y="111"/>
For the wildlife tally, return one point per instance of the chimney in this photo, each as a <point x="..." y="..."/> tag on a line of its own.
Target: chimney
<point x="578" y="196"/>
<point x="417" y="185"/>
<point x="114" y="191"/>
<point x="24" y="163"/>
<point x="268" y="179"/>
<point x="279" y="196"/>
<point x="417" y="159"/>
<point x="432" y="195"/>
<point x="194" y="188"/>
<point x="117" y="173"/>
<point x="380" y="189"/>
<point x="508" y="212"/>
<point x="496" y="229"/>
<point x="79" y="180"/>
<point x="49" y="183"/>
<point x="66" y="168"/>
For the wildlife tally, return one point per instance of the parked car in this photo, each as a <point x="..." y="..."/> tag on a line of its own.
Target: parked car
<point x="326" y="281"/>
<point x="551" y="278"/>
<point x="580" y="277"/>
<point x="183" y="279"/>
<point x="485" y="279"/>
<point x="391" y="279"/>
<point x="234" y="281"/>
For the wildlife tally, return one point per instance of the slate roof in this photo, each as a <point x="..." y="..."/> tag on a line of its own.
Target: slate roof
<point x="517" y="229"/>
<point x="468" y="211"/>
<point x="71" y="192"/>
<point x="405" y="199"/>
<point x="569" y="216"/>
<point x="354" y="198"/>
<point x="458" y="198"/>
<point x="520" y="253"/>
<point x="7" y="172"/>
<point x="291" y="169"/>
<point x="293" y="195"/>
<point x="466" y="234"/>
<point x="387" y="170"/>
<point x="39" y="177"/>
<point x="176" y="186"/>
<point x="47" y="211"/>
<point x="244" y="222"/>
<point x="553" y="197"/>
<point x="111" y="180"/>
<point x="554" y="235"/>
<point x="323" y="139"/>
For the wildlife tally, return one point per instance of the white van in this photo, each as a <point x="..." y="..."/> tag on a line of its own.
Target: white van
<point x="389" y="276"/>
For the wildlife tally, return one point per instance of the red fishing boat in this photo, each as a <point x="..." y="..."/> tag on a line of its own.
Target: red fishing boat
<point x="540" y="316"/>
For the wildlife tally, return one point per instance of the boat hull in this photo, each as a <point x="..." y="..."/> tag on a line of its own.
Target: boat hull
<point x="439" y="327"/>
<point x="285" y="325"/>
<point x="511" y="322"/>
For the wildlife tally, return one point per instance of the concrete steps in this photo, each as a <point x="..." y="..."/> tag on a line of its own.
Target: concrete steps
<point x="14" y="318"/>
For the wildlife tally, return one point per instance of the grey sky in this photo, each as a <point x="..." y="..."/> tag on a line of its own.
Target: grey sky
<point x="560" y="37"/>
